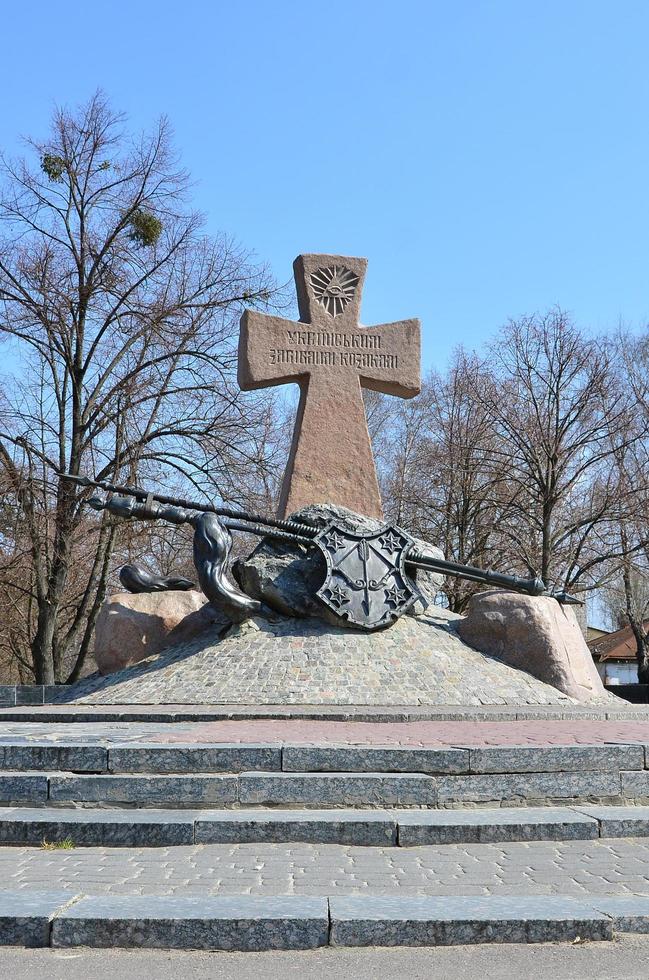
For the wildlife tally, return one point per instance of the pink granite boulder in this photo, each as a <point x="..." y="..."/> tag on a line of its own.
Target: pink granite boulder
<point x="536" y="634"/>
<point x="132" y="627"/>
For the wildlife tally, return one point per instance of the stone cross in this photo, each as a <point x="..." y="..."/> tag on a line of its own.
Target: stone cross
<point x="331" y="357"/>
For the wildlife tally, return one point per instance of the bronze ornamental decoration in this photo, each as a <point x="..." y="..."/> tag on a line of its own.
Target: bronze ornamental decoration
<point x="369" y="581"/>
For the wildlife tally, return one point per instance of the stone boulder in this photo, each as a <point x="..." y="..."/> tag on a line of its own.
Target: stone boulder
<point x="536" y="634"/>
<point x="132" y="627"/>
<point x="286" y="576"/>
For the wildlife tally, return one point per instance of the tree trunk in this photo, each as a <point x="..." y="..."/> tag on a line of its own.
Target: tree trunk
<point x="43" y="645"/>
<point x="636" y="624"/>
<point x="546" y="542"/>
<point x="642" y="653"/>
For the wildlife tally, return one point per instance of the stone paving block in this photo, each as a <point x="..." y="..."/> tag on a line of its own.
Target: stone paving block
<point x="73" y="757"/>
<point x="418" y="827"/>
<point x="620" y="821"/>
<point x="338" y="789"/>
<point x="502" y="787"/>
<point x="630" y="913"/>
<point x="94" y="828"/>
<point x="145" y="790"/>
<point x="181" y="757"/>
<point x="25" y="916"/>
<point x="19" y="787"/>
<point x="556" y="758"/>
<point x="352" y="758"/>
<point x="449" y="921"/>
<point x="236" y="923"/>
<point x="309" y="826"/>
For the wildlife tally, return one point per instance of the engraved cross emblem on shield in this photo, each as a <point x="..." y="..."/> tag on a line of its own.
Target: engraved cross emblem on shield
<point x="366" y="582"/>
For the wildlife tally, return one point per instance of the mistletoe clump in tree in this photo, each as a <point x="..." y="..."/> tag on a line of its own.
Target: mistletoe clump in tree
<point x="118" y="317"/>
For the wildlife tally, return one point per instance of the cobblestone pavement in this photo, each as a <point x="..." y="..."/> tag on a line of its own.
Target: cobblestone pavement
<point x="412" y="733"/>
<point x="579" y="868"/>
<point x="420" y="660"/>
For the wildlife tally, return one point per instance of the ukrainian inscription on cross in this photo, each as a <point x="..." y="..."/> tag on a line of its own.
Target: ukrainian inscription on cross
<point x="331" y="357"/>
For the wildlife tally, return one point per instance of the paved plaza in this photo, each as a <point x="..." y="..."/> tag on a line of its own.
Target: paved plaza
<point x="575" y="868"/>
<point x="290" y="731"/>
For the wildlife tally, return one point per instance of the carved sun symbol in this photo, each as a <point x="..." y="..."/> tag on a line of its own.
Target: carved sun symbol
<point x="334" y="287"/>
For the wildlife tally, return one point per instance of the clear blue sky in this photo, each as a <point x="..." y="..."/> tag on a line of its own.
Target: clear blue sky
<point x="489" y="158"/>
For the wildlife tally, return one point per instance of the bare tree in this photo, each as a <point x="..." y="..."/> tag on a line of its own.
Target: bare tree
<point x="513" y="460"/>
<point x="627" y="592"/>
<point x="118" y="316"/>
<point x="444" y="482"/>
<point x="561" y="414"/>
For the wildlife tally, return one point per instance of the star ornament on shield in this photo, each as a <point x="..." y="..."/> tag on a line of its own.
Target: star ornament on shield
<point x="366" y="582"/>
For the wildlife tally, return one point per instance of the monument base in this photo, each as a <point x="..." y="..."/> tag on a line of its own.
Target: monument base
<point x="420" y="660"/>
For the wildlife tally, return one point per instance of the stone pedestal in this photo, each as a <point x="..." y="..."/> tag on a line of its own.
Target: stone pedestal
<point x="536" y="634"/>
<point x="418" y="661"/>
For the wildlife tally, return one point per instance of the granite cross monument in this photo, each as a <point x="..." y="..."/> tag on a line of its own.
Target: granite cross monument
<point x="331" y="357"/>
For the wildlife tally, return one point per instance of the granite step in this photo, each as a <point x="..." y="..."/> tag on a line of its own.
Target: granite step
<point x="367" y="790"/>
<point x="95" y="828"/>
<point x="464" y="760"/>
<point x="363" y="790"/>
<point x="251" y="923"/>
<point x="106" y="790"/>
<point x="375" y="789"/>
<point x="62" y="712"/>
<point x="152" y="828"/>
<point x="95" y="756"/>
<point x="336" y="789"/>
<point x="147" y="827"/>
<point x="411" y="828"/>
<point x="451" y="921"/>
<point x="319" y="758"/>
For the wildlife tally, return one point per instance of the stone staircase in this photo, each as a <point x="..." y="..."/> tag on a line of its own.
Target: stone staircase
<point x="165" y="795"/>
<point x="87" y="794"/>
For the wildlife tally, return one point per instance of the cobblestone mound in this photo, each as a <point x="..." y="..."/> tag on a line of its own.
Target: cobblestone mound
<point x="417" y="661"/>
